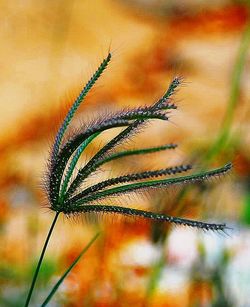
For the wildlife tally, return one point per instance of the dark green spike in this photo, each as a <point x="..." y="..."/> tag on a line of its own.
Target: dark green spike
<point x="79" y="200"/>
<point x="135" y="177"/>
<point x="76" y="104"/>
<point x="74" y="209"/>
<point x="142" y="151"/>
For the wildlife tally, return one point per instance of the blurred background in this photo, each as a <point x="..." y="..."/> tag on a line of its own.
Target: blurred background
<point x="48" y="50"/>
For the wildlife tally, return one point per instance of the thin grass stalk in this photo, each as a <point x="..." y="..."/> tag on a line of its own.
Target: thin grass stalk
<point x="41" y="259"/>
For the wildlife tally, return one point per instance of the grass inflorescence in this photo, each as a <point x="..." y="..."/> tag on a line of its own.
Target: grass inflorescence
<point x="67" y="186"/>
<point x="69" y="193"/>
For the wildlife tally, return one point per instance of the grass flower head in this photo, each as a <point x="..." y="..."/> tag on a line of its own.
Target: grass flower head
<point x="69" y="194"/>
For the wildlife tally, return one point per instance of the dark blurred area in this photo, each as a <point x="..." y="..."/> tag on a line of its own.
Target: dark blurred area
<point x="48" y="50"/>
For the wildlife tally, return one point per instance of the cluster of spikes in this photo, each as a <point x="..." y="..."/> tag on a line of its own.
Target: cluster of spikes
<point x="65" y="182"/>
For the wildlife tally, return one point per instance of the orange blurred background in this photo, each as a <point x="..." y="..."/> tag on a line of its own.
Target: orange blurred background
<point x="48" y="50"/>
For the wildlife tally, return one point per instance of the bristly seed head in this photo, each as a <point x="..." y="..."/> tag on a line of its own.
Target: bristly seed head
<point x="63" y="186"/>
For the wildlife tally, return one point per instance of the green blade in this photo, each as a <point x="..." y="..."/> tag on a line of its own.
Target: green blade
<point x="57" y="285"/>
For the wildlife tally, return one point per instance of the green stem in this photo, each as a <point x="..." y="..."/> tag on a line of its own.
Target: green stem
<point x="223" y="137"/>
<point x="40" y="260"/>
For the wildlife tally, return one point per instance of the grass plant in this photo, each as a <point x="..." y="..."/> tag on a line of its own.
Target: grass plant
<point x="67" y="185"/>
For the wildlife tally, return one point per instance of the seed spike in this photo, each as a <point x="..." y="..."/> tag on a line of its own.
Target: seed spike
<point x="164" y="100"/>
<point x="135" y="177"/>
<point x="106" y="209"/>
<point x="142" y="151"/>
<point x="79" y="200"/>
<point x="76" y="104"/>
